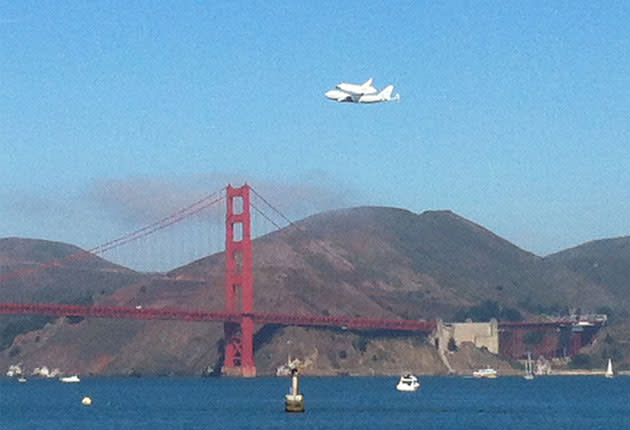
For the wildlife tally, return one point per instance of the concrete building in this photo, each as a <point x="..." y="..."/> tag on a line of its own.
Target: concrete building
<point x="480" y="334"/>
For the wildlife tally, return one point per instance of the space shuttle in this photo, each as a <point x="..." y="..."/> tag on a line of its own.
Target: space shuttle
<point x="358" y="89"/>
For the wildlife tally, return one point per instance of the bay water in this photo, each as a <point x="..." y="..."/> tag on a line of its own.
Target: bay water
<point x="443" y="403"/>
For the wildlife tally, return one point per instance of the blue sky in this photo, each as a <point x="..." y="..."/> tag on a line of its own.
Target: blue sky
<point x="512" y="114"/>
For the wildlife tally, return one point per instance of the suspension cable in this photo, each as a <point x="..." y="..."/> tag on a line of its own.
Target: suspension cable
<point x="161" y="224"/>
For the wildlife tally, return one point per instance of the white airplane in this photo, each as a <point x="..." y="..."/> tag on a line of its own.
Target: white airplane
<point x="361" y="93"/>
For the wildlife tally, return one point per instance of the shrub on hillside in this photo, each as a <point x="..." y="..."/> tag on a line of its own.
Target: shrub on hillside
<point x="581" y="361"/>
<point x="486" y="311"/>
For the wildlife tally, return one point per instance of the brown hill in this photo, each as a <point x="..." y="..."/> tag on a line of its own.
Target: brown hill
<point x="417" y="266"/>
<point x="52" y="272"/>
<point x="368" y="262"/>
<point x="605" y="262"/>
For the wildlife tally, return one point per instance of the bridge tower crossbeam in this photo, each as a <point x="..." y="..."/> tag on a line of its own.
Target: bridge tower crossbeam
<point x="239" y="284"/>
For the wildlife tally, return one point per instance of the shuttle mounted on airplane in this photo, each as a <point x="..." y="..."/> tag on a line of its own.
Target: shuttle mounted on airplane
<point x="361" y="93"/>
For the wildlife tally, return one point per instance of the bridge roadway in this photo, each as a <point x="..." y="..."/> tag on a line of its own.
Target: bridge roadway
<point x="132" y="312"/>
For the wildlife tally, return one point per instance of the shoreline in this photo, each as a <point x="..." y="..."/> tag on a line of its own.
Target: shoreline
<point x="599" y="373"/>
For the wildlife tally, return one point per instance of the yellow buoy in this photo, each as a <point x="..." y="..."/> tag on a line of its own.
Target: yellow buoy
<point x="87" y="401"/>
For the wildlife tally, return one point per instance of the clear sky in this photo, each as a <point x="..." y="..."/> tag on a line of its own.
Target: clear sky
<point x="515" y="115"/>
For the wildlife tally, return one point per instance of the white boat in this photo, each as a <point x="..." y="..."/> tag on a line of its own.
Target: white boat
<point x="529" y="368"/>
<point x="21" y="379"/>
<point x="488" y="372"/>
<point x="609" y="370"/>
<point x="408" y="382"/>
<point x="73" y="378"/>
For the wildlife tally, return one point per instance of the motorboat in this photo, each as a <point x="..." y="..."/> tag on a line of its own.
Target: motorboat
<point x="73" y="378"/>
<point x="408" y="382"/>
<point x="488" y="372"/>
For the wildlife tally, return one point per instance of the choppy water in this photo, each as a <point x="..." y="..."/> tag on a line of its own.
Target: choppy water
<point x="444" y="403"/>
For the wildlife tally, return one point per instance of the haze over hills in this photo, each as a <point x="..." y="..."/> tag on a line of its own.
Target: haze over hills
<point x="367" y="262"/>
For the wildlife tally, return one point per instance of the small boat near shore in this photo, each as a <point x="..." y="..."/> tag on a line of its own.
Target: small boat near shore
<point x="73" y="378"/>
<point x="408" y="382"/>
<point x="488" y="372"/>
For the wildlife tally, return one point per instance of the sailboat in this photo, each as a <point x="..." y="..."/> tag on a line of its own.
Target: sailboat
<point x="609" y="370"/>
<point x="529" y="368"/>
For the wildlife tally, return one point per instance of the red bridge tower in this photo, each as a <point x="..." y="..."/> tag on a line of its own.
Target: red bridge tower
<point x="239" y="284"/>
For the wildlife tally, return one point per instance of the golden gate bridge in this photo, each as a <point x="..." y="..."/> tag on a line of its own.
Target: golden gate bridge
<point x="238" y="316"/>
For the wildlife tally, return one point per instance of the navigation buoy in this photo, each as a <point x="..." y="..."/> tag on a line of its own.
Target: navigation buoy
<point x="86" y="401"/>
<point x="294" y="401"/>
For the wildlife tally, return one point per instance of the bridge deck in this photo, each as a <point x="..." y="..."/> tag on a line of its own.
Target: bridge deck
<point x="132" y="312"/>
<point x="221" y="316"/>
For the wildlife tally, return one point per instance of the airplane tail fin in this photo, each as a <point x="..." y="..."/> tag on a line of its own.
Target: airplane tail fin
<point x="367" y="83"/>
<point x="386" y="94"/>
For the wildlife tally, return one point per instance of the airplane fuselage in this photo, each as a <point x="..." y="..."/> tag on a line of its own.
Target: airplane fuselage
<point x="340" y="96"/>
